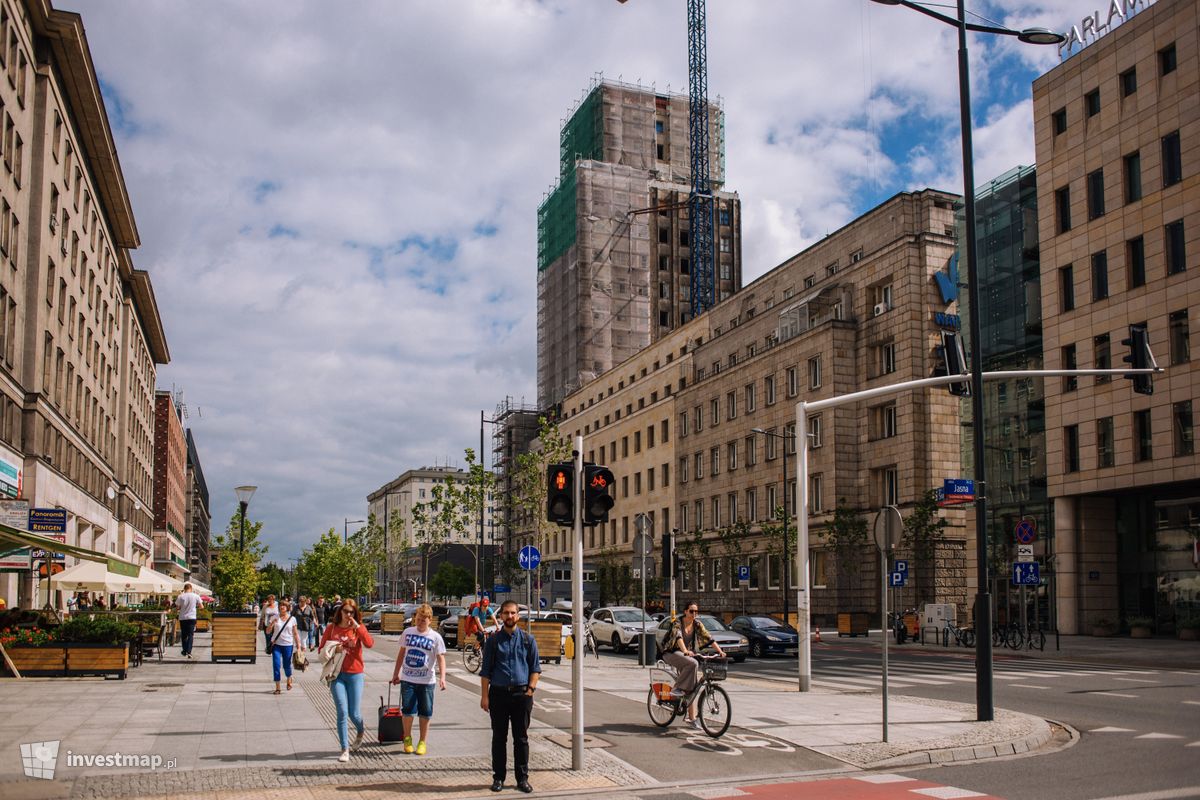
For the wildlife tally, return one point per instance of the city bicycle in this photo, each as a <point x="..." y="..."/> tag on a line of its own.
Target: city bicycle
<point x="962" y="636"/>
<point x="714" y="709"/>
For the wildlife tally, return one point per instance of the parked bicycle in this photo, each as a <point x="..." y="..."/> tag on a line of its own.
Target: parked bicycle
<point x="714" y="709"/>
<point x="962" y="636"/>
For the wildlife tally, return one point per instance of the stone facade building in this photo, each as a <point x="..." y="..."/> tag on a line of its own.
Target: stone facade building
<point x="198" y="517"/>
<point x="171" y="488"/>
<point x="80" y="334"/>
<point x="1118" y="159"/>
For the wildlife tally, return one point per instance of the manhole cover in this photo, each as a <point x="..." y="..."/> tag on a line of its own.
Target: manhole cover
<point x="164" y="685"/>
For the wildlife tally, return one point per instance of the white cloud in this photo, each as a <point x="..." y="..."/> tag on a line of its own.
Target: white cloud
<point x="398" y="150"/>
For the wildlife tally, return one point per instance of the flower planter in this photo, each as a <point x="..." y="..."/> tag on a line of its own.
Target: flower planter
<point x="234" y="637"/>
<point x="71" y="660"/>
<point x="202" y="626"/>
<point x="1140" y="632"/>
<point x="1103" y="630"/>
<point x="1189" y="634"/>
<point x="853" y="623"/>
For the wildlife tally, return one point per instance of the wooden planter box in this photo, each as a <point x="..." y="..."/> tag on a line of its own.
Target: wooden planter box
<point x="392" y="622"/>
<point x="202" y="625"/>
<point x="71" y="660"/>
<point x="548" y="636"/>
<point x="853" y="623"/>
<point x="1140" y="632"/>
<point x="234" y="637"/>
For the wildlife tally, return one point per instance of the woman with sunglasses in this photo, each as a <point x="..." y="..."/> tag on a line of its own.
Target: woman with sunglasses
<point x="347" y="630"/>
<point x="684" y="643"/>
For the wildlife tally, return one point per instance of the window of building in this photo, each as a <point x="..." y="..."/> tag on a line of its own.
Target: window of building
<point x="1105" y="450"/>
<point x="1181" y="426"/>
<point x="699" y="459"/>
<point x="887" y="421"/>
<point x="751" y="450"/>
<point x="732" y="504"/>
<point x="772" y="500"/>
<point x="637" y="483"/>
<point x="1167" y="61"/>
<point x="814" y="431"/>
<point x="816" y="501"/>
<point x="731" y="454"/>
<point x="714" y="456"/>
<point x="793" y="382"/>
<point x="698" y="507"/>
<point x="769" y="389"/>
<point x="1181" y="349"/>
<point x="1071" y="448"/>
<point x="1176" y="260"/>
<point x="664" y="235"/>
<point x="887" y="358"/>
<point x="666" y="478"/>
<point x="731" y="404"/>
<point x="1129" y="82"/>
<point x="683" y="469"/>
<point x="1062" y="206"/>
<point x="809" y="282"/>
<point x="1099" y="275"/>
<point x="1172" y="160"/>
<point x="1132" y="167"/>
<point x="1066" y="288"/>
<point x="887" y="486"/>
<point x="716" y="510"/>
<point x="1070" y="382"/>
<point x="770" y="444"/>
<point x="1095" y="194"/>
<point x="1143" y="449"/>
<point x="1091" y="103"/>
<point x="814" y="372"/>
<point x="1059" y="121"/>
<point x="789" y="438"/>
<point x="725" y="216"/>
<point x="714" y="411"/>
<point x="750" y="397"/>
<point x="697" y="420"/>
<point x="1102" y="351"/>
<point x="1135" y="261"/>
<point x="752" y="505"/>
<point x="683" y="239"/>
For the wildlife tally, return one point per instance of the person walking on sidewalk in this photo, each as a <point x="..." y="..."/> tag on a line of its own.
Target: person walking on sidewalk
<point x="347" y="630"/>
<point x="306" y="622"/>
<point x="187" y="602"/>
<point x="420" y="647"/>
<point x="687" y="638"/>
<point x="508" y="678"/>
<point x="267" y="617"/>
<point x="283" y="635"/>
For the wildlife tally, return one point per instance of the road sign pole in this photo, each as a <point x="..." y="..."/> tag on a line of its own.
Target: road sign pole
<point x="577" y="615"/>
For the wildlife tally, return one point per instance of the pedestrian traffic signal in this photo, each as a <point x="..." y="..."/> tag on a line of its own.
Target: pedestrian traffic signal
<point x="597" y="493"/>
<point x="560" y="493"/>
<point x="955" y="363"/>
<point x="1140" y="357"/>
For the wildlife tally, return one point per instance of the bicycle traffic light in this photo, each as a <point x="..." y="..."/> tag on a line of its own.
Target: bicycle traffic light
<point x="1140" y="357"/>
<point x="597" y="493"/>
<point x="560" y="493"/>
<point x="955" y="363"/>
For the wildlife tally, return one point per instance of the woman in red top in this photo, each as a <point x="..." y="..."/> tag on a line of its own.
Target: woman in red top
<point x="351" y="635"/>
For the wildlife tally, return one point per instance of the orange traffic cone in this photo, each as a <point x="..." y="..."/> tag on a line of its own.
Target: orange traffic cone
<point x="817" y="635"/>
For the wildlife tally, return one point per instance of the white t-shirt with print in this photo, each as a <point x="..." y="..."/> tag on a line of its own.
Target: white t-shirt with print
<point x="286" y="636"/>
<point x="420" y="655"/>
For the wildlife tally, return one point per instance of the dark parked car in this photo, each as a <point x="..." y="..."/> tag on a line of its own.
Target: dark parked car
<point x="766" y="634"/>
<point x="447" y="622"/>
<point x="733" y="643"/>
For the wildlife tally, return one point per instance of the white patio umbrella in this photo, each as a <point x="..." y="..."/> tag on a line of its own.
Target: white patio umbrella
<point x="93" y="576"/>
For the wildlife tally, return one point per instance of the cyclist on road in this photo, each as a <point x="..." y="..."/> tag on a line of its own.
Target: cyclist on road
<point x="685" y="640"/>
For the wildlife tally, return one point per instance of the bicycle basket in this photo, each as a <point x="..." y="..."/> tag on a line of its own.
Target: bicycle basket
<point x="662" y="691"/>
<point x="716" y="671"/>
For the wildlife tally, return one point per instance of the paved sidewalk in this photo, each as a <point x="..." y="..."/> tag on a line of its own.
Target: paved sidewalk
<point x="224" y="734"/>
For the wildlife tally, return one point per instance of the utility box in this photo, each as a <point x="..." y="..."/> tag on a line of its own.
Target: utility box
<point x="938" y="615"/>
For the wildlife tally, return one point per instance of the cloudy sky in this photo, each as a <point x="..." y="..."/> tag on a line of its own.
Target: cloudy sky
<point x="337" y="201"/>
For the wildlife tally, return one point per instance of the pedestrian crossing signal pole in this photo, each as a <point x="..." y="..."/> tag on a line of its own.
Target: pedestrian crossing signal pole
<point x="577" y="613"/>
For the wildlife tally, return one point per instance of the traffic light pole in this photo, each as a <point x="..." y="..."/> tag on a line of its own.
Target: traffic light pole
<point x="577" y="614"/>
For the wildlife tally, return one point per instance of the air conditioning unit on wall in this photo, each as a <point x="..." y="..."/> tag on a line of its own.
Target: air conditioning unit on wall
<point x="881" y="308"/>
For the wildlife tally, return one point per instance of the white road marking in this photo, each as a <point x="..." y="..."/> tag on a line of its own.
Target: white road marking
<point x="1027" y="686"/>
<point x="947" y="792"/>
<point x="1158" y="736"/>
<point x="885" y="778"/>
<point x="1111" y="729"/>
<point x="1135" y="680"/>
<point x="1191" y="702"/>
<point x="1117" y="694"/>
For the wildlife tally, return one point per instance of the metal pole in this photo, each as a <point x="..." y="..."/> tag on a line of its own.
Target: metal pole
<point x="983" y="600"/>
<point x="479" y="547"/>
<point x="242" y="535"/>
<point x="784" y="559"/>
<point x="577" y="614"/>
<point x="670" y="568"/>
<point x="804" y="651"/>
<point x="884" y="628"/>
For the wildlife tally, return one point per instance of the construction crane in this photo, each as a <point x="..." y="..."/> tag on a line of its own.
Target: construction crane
<point x="700" y="201"/>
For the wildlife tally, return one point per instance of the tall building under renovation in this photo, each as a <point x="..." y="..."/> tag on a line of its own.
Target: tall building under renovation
<point x="614" y="262"/>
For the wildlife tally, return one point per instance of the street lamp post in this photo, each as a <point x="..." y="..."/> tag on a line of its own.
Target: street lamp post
<point x="983" y="600"/>
<point x="244" y="493"/>
<point x="785" y="518"/>
<point x="346" y="528"/>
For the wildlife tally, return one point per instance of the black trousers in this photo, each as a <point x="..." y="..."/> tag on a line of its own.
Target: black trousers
<point x="507" y="710"/>
<point x="187" y="632"/>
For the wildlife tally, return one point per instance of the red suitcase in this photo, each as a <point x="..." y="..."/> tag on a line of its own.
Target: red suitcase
<point x="391" y="723"/>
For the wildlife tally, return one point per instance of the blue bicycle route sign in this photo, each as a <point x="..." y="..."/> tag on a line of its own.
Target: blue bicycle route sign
<point x="1026" y="573"/>
<point x="529" y="557"/>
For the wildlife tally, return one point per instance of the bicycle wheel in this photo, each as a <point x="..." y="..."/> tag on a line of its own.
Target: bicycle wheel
<point x="1015" y="638"/>
<point x="715" y="711"/>
<point x="1037" y="638"/>
<point x="591" y="643"/>
<point x="472" y="658"/>
<point x="661" y="714"/>
<point x="998" y="637"/>
<point x="968" y="638"/>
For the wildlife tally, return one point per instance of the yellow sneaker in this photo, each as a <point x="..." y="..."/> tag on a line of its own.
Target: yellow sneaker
<point x="408" y="748"/>
<point x="421" y="748"/>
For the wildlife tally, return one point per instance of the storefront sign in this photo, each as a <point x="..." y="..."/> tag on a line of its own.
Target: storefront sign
<point x="47" y="520"/>
<point x="1092" y="27"/>
<point x="142" y="542"/>
<point x="14" y="513"/>
<point x="950" y="322"/>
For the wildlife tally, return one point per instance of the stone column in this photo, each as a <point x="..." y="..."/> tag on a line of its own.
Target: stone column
<point x="1066" y="564"/>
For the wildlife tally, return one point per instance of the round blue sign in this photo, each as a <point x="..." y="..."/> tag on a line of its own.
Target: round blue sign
<point x="529" y="557"/>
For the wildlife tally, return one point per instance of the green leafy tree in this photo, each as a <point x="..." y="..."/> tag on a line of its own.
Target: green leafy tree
<point x="347" y="568"/>
<point x="847" y="536"/>
<point x="693" y="549"/>
<point x="235" y="574"/>
<point x="924" y="532"/>
<point x="436" y="520"/>
<point x="451" y="582"/>
<point x="614" y="577"/>
<point x="271" y="579"/>
<point x="476" y="491"/>
<point x="779" y="534"/>
<point x="530" y="491"/>
<point x="735" y="546"/>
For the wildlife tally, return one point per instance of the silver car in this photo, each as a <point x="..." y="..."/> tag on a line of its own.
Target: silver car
<point x="731" y="642"/>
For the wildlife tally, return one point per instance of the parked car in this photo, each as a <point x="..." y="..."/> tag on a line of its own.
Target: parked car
<point x="553" y="616"/>
<point x="375" y="618"/>
<point x="447" y="623"/>
<point x="619" y="626"/>
<point x="733" y="643"/>
<point x="766" y="634"/>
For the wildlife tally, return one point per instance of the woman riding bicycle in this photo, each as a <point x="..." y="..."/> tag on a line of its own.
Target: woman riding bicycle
<point x="684" y="643"/>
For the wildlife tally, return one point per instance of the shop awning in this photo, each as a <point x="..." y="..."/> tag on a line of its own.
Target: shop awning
<point x="20" y="538"/>
<point x="163" y="584"/>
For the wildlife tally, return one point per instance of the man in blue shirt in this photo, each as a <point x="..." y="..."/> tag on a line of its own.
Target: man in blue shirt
<point x="509" y="675"/>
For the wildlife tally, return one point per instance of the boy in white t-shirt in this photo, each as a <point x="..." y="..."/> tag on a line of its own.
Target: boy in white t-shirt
<point x="420" y="648"/>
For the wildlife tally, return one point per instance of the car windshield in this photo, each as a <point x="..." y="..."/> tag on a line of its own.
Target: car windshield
<point x="631" y="615"/>
<point x="712" y="623"/>
<point x="765" y="622"/>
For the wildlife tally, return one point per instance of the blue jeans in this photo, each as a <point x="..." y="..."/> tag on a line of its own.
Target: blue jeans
<point x="187" y="630"/>
<point x="416" y="699"/>
<point x="347" y="698"/>
<point x="282" y="652"/>
<point x="314" y="636"/>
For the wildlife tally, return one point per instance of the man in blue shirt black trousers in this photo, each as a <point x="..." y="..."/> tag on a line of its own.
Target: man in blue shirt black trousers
<point x="509" y="677"/>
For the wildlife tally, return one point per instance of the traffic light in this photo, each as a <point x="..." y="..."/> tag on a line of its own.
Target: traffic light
<point x="560" y="493"/>
<point x="955" y="363"/>
<point x="597" y="493"/>
<point x="668" y="557"/>
<point x="1140" y="357"/>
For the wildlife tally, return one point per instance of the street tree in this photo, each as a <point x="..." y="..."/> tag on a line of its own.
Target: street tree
<point x="235" y="573"/>
<point x="272" y="579"/>
<point x="475" y="491"/>
<point x="530" y="491"/>
<point x="924" y="532"/>
<point x="847" y="537"/>
<point x="614" y="577"/>
<point x="451" y="582"/>
<point x="779" y="534"/>
<point x="436" y="520"/>
<point x="347" y="568"/>
<point x="693" y="550"/>
<point x="735" y="546"/>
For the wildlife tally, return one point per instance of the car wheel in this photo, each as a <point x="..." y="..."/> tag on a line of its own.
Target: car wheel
<point x="616" y="643"/>
<point x="757" y="650"/>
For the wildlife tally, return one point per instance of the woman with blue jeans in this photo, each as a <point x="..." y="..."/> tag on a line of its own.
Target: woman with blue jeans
<point x="282" y="634"/>
<point x="347" y="630"/>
